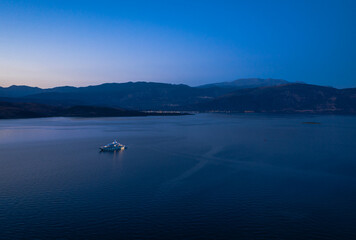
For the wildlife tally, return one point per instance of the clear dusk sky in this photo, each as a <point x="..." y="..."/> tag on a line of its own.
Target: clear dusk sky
<point x="53" y="43"/>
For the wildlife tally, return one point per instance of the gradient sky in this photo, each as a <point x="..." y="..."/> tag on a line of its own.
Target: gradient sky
<point x="53" y="43"/>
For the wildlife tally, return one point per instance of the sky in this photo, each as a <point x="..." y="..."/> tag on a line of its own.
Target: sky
<point x="55" y="43"/>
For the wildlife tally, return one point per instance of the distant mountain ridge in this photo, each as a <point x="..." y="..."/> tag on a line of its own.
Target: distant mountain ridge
<point x="138" y="95"/>
<point x="247" y="83"/>
<point x="23" y="91"/>
<point x="19" y="91"/>
<point x="289" y="98"/>
<point x="35" y="110"/>
<point x="148" y="96"/>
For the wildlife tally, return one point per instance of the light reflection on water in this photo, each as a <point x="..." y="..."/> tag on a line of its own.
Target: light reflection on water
<point x="210" y="176"/>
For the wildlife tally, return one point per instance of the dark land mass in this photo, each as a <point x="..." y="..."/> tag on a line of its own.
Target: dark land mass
<point x="136" y="96"/>
<point x="26" y="110"/>
<point x="143" y="98"/>
<point x="35" y="110"/>
<point x="290" y="98"/>
<point x="149" y="88"/>
<point x="247" y="83"/>
<point x="19" y="91"/>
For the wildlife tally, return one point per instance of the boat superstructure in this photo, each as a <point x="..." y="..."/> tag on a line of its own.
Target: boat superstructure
<point x="111" y="147"/>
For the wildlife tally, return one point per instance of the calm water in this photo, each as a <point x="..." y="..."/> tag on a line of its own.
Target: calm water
<point x="207" y="176"/>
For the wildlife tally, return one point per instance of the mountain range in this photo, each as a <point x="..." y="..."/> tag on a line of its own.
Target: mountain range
<point x="118" y="99"/>
<point x="247" y="83"/>
<point x="288" y="98"/>
<point x="12" y="110"/>
<point x="137" y="96"/>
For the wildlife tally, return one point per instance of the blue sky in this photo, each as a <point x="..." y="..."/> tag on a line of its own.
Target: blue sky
<point x="79" y="43"/>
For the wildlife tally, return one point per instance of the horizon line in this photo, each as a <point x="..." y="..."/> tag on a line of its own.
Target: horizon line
<point x="99" y="84"/>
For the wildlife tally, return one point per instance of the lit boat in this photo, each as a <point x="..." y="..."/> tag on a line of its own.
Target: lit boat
<point x="111" y="147"/>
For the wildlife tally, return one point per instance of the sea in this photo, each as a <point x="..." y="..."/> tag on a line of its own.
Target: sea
<point x="202" y="176"/>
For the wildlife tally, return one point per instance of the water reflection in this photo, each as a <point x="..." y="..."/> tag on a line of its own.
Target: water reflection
<point x="117" y="158"/>
<point x="118" y="155"/>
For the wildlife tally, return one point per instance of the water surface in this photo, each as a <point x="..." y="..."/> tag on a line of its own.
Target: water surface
<point x="206" y="176"/>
